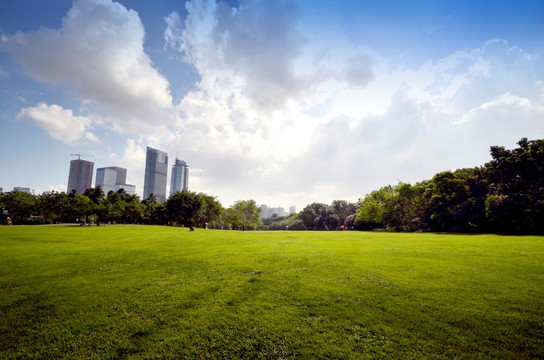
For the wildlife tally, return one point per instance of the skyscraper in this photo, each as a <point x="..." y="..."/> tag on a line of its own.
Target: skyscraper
<point x="113" y="178"/>
<point x="156" y="170"/>
<point x="81" y="176"/>
<point x="179" y="179"/>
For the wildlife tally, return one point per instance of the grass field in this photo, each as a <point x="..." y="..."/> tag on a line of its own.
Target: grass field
<point x="162" y="292"/>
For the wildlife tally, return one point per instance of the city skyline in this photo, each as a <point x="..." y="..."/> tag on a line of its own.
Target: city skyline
<point x="322" y="101"/>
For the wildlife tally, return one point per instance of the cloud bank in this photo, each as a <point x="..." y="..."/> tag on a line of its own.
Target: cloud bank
<point x="99" y="53"/>
<point x="283" y="112"/>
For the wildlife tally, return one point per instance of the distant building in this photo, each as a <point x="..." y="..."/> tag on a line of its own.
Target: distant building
<point x="267" y="212"/>
<point x="113" y="178"/>
<point x="292" y="209"/>
<point x="156" y="170"/>
<point x="106" y="178"/>
<point x="22" y="189"/>
<point x="81" y="176"/>
<point x="264" y="211"/>
<point x="179" y="179"/>
<point x="1" y="191"/>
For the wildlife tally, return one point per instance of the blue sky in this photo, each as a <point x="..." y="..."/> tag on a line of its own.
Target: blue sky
<point x="283" y="102"/>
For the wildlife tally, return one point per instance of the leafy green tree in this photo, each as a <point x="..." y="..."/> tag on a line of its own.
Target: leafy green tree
<point x="53" y="206"/>
<point x="475" y="208"/>
<point x="135" y="211"/>
<point x="152" y="210"/>
<point x="232" y="218"/>
<point x="209" y="212"/>
<point x="249" y="213"/>
<point x="316" y="216"/>
<point x="516" y="202"/>
<point x="291" y="222"/>
<point x="340" y="210"/>
<point x="81" y="206"/>
<point x="183" y="207"/>
<point x="96" y="195"/>
<point x="447" y="195"/>
<point x="20" y="205"/>
<point x="376" y="209"/>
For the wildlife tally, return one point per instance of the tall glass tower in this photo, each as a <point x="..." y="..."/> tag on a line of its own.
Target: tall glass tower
<point x="81" y="176"/>
<point x="156" y="169"/>
<point x="179" y="179"/>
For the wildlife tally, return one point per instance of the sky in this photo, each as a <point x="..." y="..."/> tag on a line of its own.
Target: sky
<point x="283" y="102"/>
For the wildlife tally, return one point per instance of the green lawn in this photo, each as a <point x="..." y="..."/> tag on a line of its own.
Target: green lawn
<point x="162" y="292"/>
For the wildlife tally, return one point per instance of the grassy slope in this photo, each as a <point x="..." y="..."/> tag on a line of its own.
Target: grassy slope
<point x="151" y="292"/>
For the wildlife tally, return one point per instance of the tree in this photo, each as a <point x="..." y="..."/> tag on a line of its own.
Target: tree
<point x="96" y="195"/>
<point x="81" y="206"/>
<point x="209" y="211"/>
<point x="20" y="205"/>
<point x="153" y="211"/>
<point x="232" y="218"/>
<point x="183" y="207"/>
<point x="135" y="211"/>
<point x="53" y="206"/>
<point x="516" y="190"/>
<point x="341" y="209"/>
<point x="316" y="216"/>
<point x="446" y="195"/>
<point x="376" y="209"/>
<point x="249" y="213"/>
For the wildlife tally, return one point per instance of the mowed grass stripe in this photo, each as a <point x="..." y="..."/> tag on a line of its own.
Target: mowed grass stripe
<point x="162" y="292"/>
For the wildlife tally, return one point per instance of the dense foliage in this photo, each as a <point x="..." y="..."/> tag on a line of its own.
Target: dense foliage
<point x="505" y="195"/>
<point x="185" y="208"/>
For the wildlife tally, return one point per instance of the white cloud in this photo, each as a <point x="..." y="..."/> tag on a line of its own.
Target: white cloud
<point x="99" y="52"/>
<point x="506" y="101"/>
<point x="57" y="188"/>
<point x="61" y="124"/>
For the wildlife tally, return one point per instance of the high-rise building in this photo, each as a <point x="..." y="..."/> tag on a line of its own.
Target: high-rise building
<point x="179" y="179"/>
<point x="105" y="178"/>
<point x="113" y="178"/>
<point x="292" y="209"/>
<point x="81" y="176"/>
<point x="156" y="170"/>
<point x="264" y="210"/>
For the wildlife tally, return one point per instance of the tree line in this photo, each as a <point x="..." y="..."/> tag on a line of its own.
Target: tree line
<point x="185" y="208"/>
<point x="506" y="195"/>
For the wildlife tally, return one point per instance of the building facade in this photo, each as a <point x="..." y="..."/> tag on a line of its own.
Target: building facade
<point x="179" y="179"/>
<point x="81" y="176"/>
<point x="106" y="178"/>
<point x="156" y="171"/>
<point x="113" y="178"/>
